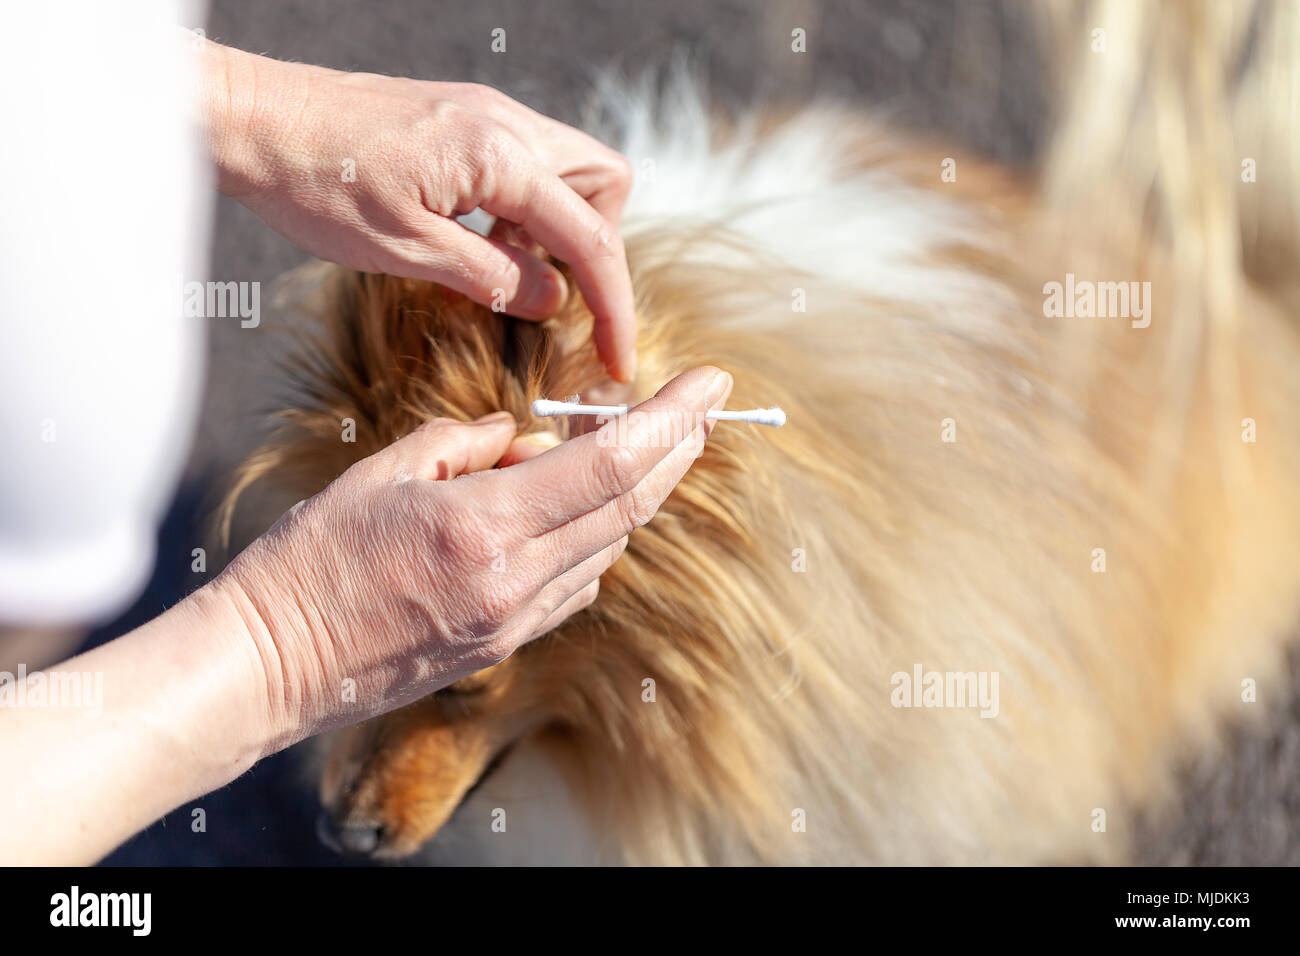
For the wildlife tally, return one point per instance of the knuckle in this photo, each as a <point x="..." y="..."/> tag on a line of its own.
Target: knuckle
<point x="587" y="596"/>
<point x="495" y="649"/>
<point x="620" y="172"/>
<point x="639" y="506"/>
<point x="440" y="113"/>
<point x="509" y="279"/>
<point x="453" y="541"/>
<point x="616" y="469"/>
<point x="436" y="129"/>
<point x="492" y="160"/>
<point x="496" y="145"/>
<point x="498" y="603"/>
<point x="438" y="427"/>
<point x="606" y="243"/>
<point x="486" y="95"/>
<point x="365" y="472"/>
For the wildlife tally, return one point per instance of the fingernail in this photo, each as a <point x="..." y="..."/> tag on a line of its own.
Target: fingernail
<point x="494" y="418"/>
<point x="543" y="295"/>
<point x="719" y="389"/>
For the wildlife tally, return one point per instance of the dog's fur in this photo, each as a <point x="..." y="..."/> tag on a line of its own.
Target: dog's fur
<point x="794" y="571"/>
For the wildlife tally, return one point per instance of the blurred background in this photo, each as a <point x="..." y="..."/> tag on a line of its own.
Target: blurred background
<point x="963" y="71"/>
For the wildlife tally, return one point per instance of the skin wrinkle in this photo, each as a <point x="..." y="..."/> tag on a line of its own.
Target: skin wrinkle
<point x="273" y="668"/>
<point x="313" y="619"/>
<point x="277" y="676"/>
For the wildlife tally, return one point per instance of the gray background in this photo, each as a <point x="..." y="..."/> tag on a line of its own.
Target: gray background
<point x="967" y="72"/>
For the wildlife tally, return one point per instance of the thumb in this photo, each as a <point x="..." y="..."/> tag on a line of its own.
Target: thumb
<point x="442" y="449"/>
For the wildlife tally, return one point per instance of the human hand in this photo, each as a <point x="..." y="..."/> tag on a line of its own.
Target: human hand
<point x="403" y="581"/>
<point x="369" y="171"/>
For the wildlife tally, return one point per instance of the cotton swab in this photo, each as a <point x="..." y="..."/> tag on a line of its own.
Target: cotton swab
<point x="545" y="408"/>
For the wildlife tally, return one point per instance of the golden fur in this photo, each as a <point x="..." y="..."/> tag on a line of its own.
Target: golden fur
<point x="794" y="571"/>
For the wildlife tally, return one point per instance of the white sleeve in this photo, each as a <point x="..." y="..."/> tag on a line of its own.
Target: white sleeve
<point x="104" y="213"/>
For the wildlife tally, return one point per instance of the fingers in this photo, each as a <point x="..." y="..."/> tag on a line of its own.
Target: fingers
<point x="442" y="449"/>
<point x="583" y="572"/>
<point x="575" y="603"/>
<point x="607" y="194"/>
<point x="607" y="465"/>
<point x="630" y="511"/>
<point x="505" y="231"/>
<point x="527" y="446"/>
<point x="576" y="588"/>
<point x="492" y="272"/>
<point x="574" y="232"/>
<point x="611" y="340"/>
<point x="598" y="174"/>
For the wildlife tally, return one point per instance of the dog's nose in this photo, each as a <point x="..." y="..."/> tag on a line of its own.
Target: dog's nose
<point x="351" y="838"/>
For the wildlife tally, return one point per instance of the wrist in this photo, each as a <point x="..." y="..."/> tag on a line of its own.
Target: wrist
<point x="229" y="710"/>
<point x="272" y="708"/>
<point x="245" y="99"/>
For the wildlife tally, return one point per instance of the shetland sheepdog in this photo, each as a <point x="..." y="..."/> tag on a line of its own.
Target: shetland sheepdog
<point x="1029" y="537"/>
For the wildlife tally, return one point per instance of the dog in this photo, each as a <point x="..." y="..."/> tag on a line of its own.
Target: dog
<point x="1029" y="538"/>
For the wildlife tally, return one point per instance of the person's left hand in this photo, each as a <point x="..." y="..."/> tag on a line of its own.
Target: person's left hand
<point x="400" y="580"/>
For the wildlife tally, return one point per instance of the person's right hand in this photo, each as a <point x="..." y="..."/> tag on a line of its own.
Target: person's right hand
<point x="403" y="581"/>
<point x="370" y="172"/>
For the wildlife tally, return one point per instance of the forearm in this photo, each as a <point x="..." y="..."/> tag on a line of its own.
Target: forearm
<point x="180" y="711"/>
